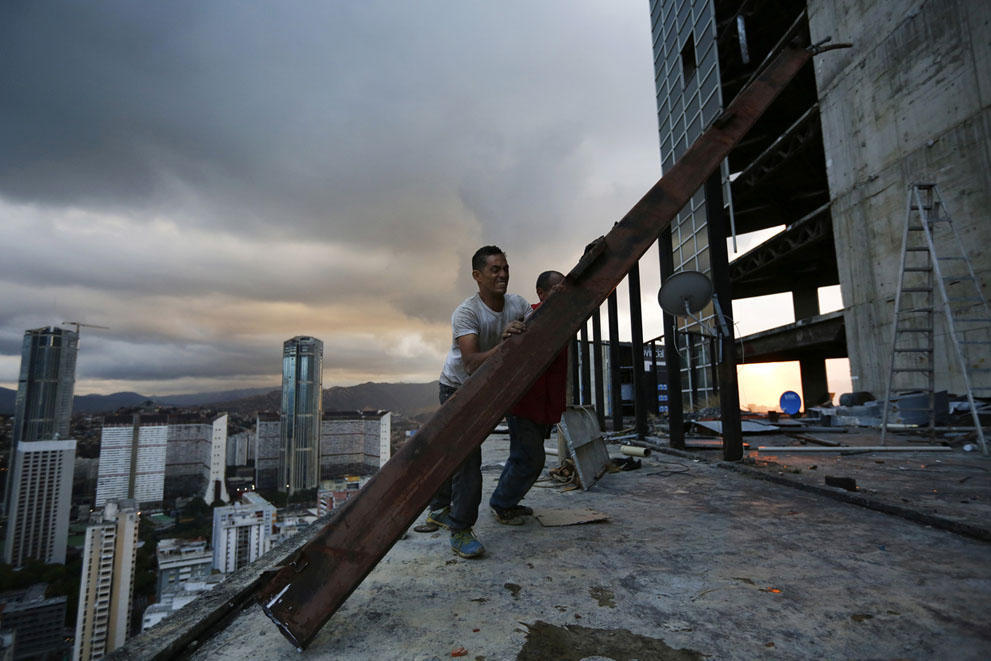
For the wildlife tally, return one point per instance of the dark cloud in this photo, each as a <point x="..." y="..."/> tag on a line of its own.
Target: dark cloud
<point x="192" y="157"/>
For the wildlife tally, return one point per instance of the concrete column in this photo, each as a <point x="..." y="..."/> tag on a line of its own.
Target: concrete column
<point x="805" y="300"/>
<point x="815" y="390"/>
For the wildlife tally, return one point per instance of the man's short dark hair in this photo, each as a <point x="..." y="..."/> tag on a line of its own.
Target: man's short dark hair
<point x="544" y="279"/>
<point x="482" y="255"/>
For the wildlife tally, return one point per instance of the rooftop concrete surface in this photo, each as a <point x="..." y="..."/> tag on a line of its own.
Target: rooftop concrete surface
<point x="695" y="561"/>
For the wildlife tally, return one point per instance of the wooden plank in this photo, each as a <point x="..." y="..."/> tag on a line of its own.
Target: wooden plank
<point x="303" y="594"/>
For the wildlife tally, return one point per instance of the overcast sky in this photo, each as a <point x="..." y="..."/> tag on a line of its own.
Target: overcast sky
<point x="208" y="179"/>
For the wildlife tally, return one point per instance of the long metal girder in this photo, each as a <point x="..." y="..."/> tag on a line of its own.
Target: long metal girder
<point x="312" y="585"/>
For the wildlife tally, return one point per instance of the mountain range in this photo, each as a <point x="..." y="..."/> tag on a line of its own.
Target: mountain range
<point x="407" y="398"/>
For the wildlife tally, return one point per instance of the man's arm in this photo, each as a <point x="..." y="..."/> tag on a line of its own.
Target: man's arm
<point x="472" y="357"/>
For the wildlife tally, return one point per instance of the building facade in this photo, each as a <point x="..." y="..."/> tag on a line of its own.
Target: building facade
<point x="182" y="561"/>
<point x="36" y="620"/>
<point x="170" y="602"/>
<point x="242" y="532"/>
<point x="40" y="502"/>
<point x="216" y="488"/>
<point x="354" y="442"/>
<point x="132" y="460"/>
<point x="828" y="167"/>
<point x="43" y="407"/>
<point x="240" y="448"/>
<point x="268" y="438"/>
<point x="107" y="585"/>
<point x="302" y="405"/>
<point x="187" y="455"/>
<point x="909" y="103"/>
<point x="333" y="493"/>
<point x="172" y="456"/>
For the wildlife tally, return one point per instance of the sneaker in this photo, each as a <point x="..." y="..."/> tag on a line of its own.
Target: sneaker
<point x="441" y="517"/>
<point x="509" y="517"/>
<point x="465" y="544"/>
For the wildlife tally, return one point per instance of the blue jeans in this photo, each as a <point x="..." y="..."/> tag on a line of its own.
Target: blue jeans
<point x="463" y="490"/>
<point x="526" y="461"/>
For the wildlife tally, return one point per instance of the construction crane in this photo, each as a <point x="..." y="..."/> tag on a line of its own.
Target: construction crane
<point x="77" y="324"/>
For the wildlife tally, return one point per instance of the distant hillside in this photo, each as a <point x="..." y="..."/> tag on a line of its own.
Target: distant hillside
<point x="210" y="397"/>
<point x="406" y="398"/>
<point x="106" y="403"/>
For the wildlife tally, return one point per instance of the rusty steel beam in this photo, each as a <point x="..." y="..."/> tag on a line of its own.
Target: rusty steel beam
<point x="303" y="594"/>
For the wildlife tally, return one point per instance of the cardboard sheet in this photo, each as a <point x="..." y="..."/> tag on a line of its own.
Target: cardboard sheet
<point x="568" y="517"/>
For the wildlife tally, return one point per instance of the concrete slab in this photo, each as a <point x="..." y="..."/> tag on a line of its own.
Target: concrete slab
<point x="954" y="485"/>
<point x="694" y="560"/>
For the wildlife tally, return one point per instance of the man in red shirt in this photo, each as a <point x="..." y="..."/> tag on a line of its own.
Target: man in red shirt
<point x="530" y="422"/>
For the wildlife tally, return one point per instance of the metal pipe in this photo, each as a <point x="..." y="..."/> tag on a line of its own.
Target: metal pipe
<point x="636" y="331"/>
<point x="655" y="405"/>
<point x="634" y="451"/>
<point x="576" y="393"/>
<point x="729" y="393"/>
<point x="586" y="372"/>
<point x="600" y="407"/>
<point x="615" y="375"/>
<point x="672" y="359"/>
<point x="854" y="448"/>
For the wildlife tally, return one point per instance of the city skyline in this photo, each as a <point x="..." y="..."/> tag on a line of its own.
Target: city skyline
<point x="189" y="180"/>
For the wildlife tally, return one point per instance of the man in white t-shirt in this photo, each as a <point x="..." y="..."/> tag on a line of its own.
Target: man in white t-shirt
<point x="478" y="325"/>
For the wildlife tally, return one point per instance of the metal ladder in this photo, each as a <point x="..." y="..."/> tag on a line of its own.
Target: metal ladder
<point x="924" y="272"/>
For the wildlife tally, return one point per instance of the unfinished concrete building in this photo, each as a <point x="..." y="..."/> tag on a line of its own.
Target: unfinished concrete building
<point x="830" y="163"/>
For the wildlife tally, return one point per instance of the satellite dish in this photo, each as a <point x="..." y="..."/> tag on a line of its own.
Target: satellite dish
<point x="686" y="289"/>
<point x="790" y="402"/>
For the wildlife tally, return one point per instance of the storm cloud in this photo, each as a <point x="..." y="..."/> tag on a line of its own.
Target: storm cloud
<point x="209" y="179"/>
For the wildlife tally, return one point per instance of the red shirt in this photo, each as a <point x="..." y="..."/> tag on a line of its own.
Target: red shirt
<point x="546" y="400"/>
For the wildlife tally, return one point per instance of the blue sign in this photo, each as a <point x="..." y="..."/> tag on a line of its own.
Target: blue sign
<point x="790" y="402"/>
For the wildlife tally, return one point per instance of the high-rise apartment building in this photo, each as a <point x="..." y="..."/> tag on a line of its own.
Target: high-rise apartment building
<point x="242" y="532"/>
<point x="354" y="442"/>
<point x="302" y="396"/>
<point x="216" y="489"/>
<point x="40" y="502"/>
<point x="132" y="460"/>
<point x="107" y="585"/>
<point x="155" y="457"/>
<point x="240" y="448"/>
<point x="43" y="407"/>
<point x="187" y="455"/>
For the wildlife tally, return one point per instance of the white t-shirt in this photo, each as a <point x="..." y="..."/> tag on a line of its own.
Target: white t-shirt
<point x="473" y="317"/>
